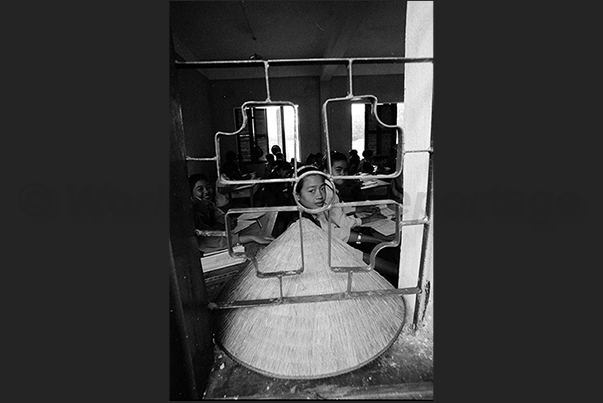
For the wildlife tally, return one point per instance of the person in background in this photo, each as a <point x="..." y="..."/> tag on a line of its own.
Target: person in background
<point x="381" y="168"/>
<point x="390" y="164"/>
<point x="366" y="163"/>
<point x="208" y="217"/>
<point x="312" y="192"/>
<point x="230" y="170"/>
<point x="348" y="190"/>
<point x="318" y="161"/>
<point x="310" y="159"/>
<point x="270" y="164"/>
<point x="279" y="156"/>
<point x="277" y="194"/>
<point x="275" y="149"/>
<point x="354" y="162"/>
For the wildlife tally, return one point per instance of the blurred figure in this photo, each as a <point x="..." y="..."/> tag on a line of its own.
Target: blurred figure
<point x="354" y="162"/>
<point x="366" y="163"/>
<point x="318" y="161"/>
<point x="348" y="189"/>
<point x="270" y="164"/>
<point x="275" y="149"/>
<point x="230" y="170"/>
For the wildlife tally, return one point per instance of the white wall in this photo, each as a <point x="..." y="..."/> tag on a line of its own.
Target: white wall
<point x="418" y="94"/>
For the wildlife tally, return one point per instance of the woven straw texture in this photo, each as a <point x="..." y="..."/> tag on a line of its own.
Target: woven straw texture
<point x="312" y="339"/>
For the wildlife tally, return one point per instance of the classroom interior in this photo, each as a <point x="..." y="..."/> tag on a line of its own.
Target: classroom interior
<point x="206" y="99"/>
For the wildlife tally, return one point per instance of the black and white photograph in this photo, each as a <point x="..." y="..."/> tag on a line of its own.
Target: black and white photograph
<point x="301" y="200"/>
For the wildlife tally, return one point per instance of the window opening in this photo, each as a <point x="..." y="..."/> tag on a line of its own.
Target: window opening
<point x="364" y="133"/>
<point x="368" y="99"/>
<point x="266" y="126"/>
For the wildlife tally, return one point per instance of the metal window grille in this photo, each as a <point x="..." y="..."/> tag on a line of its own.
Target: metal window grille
<point x="425" y="221"/>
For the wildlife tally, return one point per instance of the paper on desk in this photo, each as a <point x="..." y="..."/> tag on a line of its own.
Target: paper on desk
<point x="385" y="227"/>
<point x="250" y="216"/>
<point x="241" y="225"/>
<point x="386" y="211"/>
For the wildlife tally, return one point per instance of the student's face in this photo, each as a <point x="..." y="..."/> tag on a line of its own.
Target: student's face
<point x="203" y="190"/>
<point x="339" y="169"/>
<point x="312" y="193"/>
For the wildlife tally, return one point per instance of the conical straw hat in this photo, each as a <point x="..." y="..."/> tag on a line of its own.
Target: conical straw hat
<point x="311" y="339"/>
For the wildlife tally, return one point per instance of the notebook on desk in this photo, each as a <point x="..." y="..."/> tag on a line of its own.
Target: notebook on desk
<point x="385" y="227"/>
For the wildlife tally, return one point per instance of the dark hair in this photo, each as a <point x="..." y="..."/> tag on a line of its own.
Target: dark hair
<point x="310" y="158"/>
<point x="284" y="165"/>
<point x="352" y="152"/>
<point x="270" y="158"/>
<point x="194" y="179"/>
<point x="300" y="172"/>
<point x="367" y="153"/>
<point x="275" y="149"/>
<point x="337" y="156"/>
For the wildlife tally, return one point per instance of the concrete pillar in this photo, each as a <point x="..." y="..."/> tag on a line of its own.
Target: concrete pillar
<point x="418" y="82"/>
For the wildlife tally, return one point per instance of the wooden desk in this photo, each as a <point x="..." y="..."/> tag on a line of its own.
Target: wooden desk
<point x="244" y="192"/>
<point x="375" y="189"/>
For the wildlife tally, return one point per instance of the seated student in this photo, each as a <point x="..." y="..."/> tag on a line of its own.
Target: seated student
<point x="278" y="194"/>
<point x="381" y="168"/>
<point x="270" y="164"/>
<point x="349" y="189"/>
<point x="354" y="162"/>
<point x="312" y="192"/>
<point x="230" y="170"/>
<point x="310" y="159"/>
<point x="208" y="217"/>
<point x="366" y="163"/>
<point x="318" y="161"/>
<point x="279" y="157"/>
<point x="275" y="149"/>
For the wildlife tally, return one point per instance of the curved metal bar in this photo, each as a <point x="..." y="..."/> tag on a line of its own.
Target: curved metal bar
<point x="252" y="259"/>
<point x="244" y="107"/>
<point x="400" y="133"/>
<point x="376" y="249"/>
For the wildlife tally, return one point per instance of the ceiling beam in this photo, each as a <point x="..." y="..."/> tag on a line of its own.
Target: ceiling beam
<point x="339" y="44"/>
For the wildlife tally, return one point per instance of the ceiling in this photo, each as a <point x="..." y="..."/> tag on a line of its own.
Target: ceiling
<point x="241" y="30"/>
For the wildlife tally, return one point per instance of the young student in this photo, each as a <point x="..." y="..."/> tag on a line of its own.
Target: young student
<point x="354" y="162"/>
<point x="269" y="166"/>
<point x="277" y="194"/>
<point x="348" y="190"/>
<point x="208" y="217"/>
<point x="313" y="193"/>
<point x="366" y="163"/>
<point x="230" y="170"/>
<point x="275" y="149"/>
